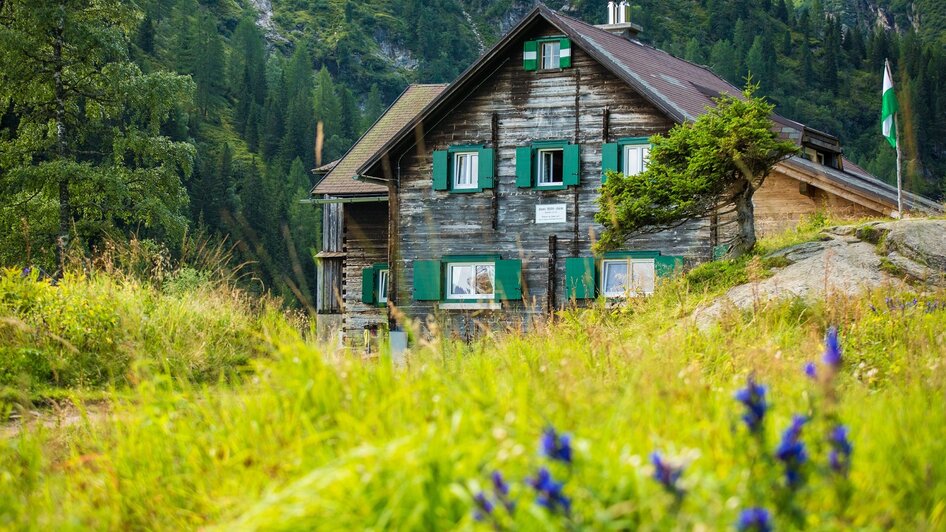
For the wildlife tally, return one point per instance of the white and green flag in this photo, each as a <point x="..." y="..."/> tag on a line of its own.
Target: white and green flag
<point x="889" y="108"/>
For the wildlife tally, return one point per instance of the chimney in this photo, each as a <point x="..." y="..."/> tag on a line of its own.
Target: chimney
<point x="619" y="20"/>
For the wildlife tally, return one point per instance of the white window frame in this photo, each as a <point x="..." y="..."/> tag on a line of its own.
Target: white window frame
<point x="540" y="168"/>
<point x="383" y="277"/>
<point x="629" y="283"/>
<point x="473" y="158"/>
<point x="474" y="265"/>
<point x="554" y="59"/>
<point x="643" y="153"/>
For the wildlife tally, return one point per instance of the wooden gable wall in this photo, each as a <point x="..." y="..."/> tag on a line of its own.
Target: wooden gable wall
<point x="510" y="109"/>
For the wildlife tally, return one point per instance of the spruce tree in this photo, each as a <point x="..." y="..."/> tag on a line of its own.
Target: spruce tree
<point x="373" y="108"/>
<point x="88" y="123"/>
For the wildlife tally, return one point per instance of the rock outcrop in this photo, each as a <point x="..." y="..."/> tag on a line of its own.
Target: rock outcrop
<point x="847" y="260"/>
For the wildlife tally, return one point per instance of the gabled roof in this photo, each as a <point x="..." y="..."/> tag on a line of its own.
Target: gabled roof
<point x="860" y="180"/>
<point x="340" y="178"/>
<point x="681" y="89"/>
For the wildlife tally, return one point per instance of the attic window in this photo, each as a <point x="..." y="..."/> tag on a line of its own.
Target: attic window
<point x="551" y="55"/>
<point x="547" y="53"/>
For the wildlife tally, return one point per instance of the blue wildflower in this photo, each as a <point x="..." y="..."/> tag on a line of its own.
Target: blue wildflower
<point x="754" y="519"/>
<point x="791" y="451"/>
<point x="832" y="349"/>
<point x="753" y="397"/>
<point x="549" y="493"/>
<point x="840" y="456"/>
<point x="484" y="507"/>
<point x="501" y="490"/>
<point x="557" y="446"/>
<point x="811" y="370"/>
<point x="668" y="475"/>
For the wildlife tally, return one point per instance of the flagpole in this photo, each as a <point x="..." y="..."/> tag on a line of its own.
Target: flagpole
<point x="896" y="124"/>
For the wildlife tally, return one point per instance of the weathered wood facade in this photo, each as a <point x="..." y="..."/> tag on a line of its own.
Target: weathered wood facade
<point x="609" y="89"/>
<point x="586" y="105"/>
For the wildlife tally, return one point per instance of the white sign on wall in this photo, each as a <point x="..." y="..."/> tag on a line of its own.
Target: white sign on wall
<point x="555" y="213"/>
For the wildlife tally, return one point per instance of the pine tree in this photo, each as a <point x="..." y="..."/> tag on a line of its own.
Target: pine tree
<point x="64" y="56"/>
<point x="274" y="120"/>
<point x="724" y="62"/>
<point x="373" y="108"/>
<point x="829" y="69"/>
<point x="755" y="62"/>
<point x="694" y="51"/>
<point x="146" y="33"/>
<point x="328" y="111"/>
<point x="350" y="117"/>
<point x="209" y="68"/>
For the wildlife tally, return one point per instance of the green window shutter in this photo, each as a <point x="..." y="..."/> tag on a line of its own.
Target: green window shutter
<point x="427" y="276"/>
<point x="485" y="171"/>
<point x="665" y="266"/>
<point x="609" y="160"/>
<point x="580" y="278"/>
<point x="530" y="55"/>
<point x="368" y="287"/>
<point x="508" y="280"/>
<point x="524" y="167"/>
<point x="571" y="167"/>
<point x="441" y="170"/>
<point x="566" y="55"/>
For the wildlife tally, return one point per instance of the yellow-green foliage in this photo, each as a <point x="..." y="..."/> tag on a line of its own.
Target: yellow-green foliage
<point x="318" y="439"/>
<point x="97" y="331"/>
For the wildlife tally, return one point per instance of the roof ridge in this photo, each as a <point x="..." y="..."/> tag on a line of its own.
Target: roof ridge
<point x="645" y="45"/>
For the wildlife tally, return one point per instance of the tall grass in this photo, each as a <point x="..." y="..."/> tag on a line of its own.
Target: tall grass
<point x="318" y="439"/>
<point x="128" y="315"/>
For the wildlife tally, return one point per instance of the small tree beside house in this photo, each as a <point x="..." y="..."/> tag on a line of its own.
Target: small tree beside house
<point x="712" y="165"/>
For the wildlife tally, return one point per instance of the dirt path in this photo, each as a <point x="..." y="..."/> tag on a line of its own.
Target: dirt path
<point x="55" y="416"/>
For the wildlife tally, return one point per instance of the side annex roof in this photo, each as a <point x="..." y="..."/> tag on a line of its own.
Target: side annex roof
<point x="340" y="178"/>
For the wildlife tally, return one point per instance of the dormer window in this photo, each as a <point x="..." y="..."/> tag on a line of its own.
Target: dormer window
<point x="551" y="54"/>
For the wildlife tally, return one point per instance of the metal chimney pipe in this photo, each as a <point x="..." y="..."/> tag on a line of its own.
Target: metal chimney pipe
<point x="625" y="12"/>
<point x="611" y="18"/>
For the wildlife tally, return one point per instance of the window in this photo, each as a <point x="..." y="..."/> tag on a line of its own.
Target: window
<point x="635" y="159"/>
<point x="374" y="285"/>
<point x="382" y="286"/>
<point x="547" y="53"/>
<point x="551" y="163"/>
<point x="465" y="170"/>
<point x="551" y="55"/>
<point x="622" y="277"/>
<point x="628" y="156"/>
<point x="471" y="280"/>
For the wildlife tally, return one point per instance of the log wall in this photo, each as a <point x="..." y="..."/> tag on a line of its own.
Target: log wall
<point x="366" y="244"/>
<point x="574" y="104"/>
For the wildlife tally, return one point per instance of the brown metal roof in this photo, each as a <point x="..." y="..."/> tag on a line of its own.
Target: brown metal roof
<point x="341" y="178"/>
<point x="681" y="89"/>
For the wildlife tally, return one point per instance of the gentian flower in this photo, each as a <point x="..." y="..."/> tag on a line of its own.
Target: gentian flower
<point x="791" y="451"/>
<point x="753" y="397"/>
<point x="501" y="490"/>
<point x="840" y="456"/>
<point x="557" y="446"/>
<point x="484" y="507"/>
<point x="832" y="349"/>
<point x="811" y="370"/>
<point x="667" y="474"/>
<point x="754" y="519"/>
<point x="549" y="493"/>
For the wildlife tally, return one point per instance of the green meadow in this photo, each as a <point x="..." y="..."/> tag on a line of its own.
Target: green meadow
<point x="192" y="406"/>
